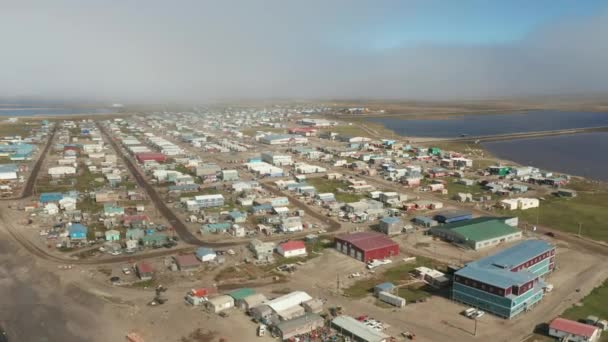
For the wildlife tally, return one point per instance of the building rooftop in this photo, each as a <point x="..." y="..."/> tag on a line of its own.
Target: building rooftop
<point x="480" y="229"/>
<point x="359" y="329"/>
<point x="573" y="327"/>
<point x="496" y="269"/>
<point x="367" y="240"/>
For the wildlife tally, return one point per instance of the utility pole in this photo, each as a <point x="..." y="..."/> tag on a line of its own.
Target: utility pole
<point x="475" y="332"/>
<point x="580" y="228"/>
<point x="338" y="284"/>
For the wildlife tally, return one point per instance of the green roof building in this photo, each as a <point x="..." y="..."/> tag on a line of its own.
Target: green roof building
<point x="481" y="232"/>
<point x="240" y="294"/>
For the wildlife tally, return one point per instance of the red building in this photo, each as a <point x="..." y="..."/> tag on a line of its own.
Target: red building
<point x="150" y="156"/>
<point x="365" y="246"/>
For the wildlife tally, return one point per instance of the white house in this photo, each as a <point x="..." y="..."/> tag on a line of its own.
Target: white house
<point x="572" y="331"/>
<point x="291" y="224"/>
<point x="292" y="249"/>
<point x="61" y="171"/>
<point x="519" y="203"/>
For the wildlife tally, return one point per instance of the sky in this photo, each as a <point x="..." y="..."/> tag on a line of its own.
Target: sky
<point x="198" y="51"/>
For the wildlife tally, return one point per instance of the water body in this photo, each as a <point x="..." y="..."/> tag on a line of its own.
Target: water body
<point x="493" y="124"/>
<point x="581" y="154"/>
<point x="38" y="111"/>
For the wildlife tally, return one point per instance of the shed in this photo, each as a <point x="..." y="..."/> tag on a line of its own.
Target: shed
<point x="574" y="331"/>
<point x="356" y="330"/>
<point x="219" y="303"/>
<point x="314" y="305"/>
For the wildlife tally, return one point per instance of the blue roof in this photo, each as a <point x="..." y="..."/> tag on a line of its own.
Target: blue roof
<point x="261" y="207"/>
<point x="236" y="214"/>
<point x="50" y="197"/>
<point x="391" y="220"/>
<point x="8" y="168"/>
<point x="496" y="269"/>
<point x="385" y="286"/>
<point x="204" y="251"/>
<point x="78" y="228"/>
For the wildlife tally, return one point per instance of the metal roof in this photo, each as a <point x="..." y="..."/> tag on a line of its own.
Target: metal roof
<point x="391" y="220"/>
<point x="356" y="328"/>
<point x="289" y="300"/>
<point x="573" y="327"/>
<point x="496" y="269"/>
<point x="480" y="229"/>
<point x="241" y="293"/>
<point x="367" y="240"/>
<point x="307" y="319"/>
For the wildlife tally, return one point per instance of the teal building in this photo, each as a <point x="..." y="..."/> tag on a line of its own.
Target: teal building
<point x="507" y="283"/>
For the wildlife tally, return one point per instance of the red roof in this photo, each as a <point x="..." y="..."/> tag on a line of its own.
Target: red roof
<point x="367" y="241"/>
<point x="144" y="156"/>
<point x="130" y="218"/>
<point x="293" y="245"/>
<point x="144" y="267"/>
<point x="573" y="327"/>
<point x="203" y="292"/>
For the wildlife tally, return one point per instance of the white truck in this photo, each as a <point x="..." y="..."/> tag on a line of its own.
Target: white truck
<point x="375" y="263"/>
<point x="261" y="330"/>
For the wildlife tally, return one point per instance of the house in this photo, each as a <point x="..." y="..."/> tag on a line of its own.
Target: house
<point x="50" y="197"/>
<point x="144" y="157"/>
<point x="186" y="262"/>
<point x="8" y="171"/>
<point x="61" y="171"/>
<point x="291" y="224"/>
<point x="571" y="331"/>
<point x="391" y="225"/>
<point x="292" y="249"/>
<point x="155" y="239"/>
<point x="229" y="175"/>
<point x="251" y="301"/>
<point x="112" y="235"/>
<point x="519" y="203"/>
<point x="239" y="295"/>
<point x="144" y="270"/>
<point x="205" y="254"/>
<point x="237" y="216"/>
<point x="111" y="210"/>
<point x="78" y="231"/>
<point x="261" y="250"/>
<point x="566" y="193"/>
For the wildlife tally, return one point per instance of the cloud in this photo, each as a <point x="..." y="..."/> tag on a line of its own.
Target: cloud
<point x="198" y="51"/>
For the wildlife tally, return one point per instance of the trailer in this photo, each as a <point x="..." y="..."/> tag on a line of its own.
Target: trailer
<point x="391" y="299"/>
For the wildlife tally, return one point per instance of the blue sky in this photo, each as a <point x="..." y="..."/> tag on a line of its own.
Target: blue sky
<point x="404" y="23"/>
<point x="198" y="50"/>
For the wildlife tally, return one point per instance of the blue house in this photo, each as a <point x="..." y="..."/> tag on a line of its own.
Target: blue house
<point x="50" y="197"/>
<point x="78" y="231"/>
<point x="450" y="216"/>
<point x="215" y="227"/>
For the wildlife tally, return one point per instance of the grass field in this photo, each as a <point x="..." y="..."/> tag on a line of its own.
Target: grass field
<point x="19" y="128"/>
<point x="566" y="214"/>
<point x="454" y="188"/>
<point x="395" y="274"/>
<point x="596" y="304"/>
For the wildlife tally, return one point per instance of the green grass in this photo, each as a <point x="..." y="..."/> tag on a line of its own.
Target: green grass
<point x="20" y="128"/>
<point x="412" y="293"/>
<point x="88" y="205"/>
<point x="348" y="197"/>
<point x="596" y="304"/>
<point x="565" y="214"/>
<point x="455" y="188"/>
<point x="395" y="274"/>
